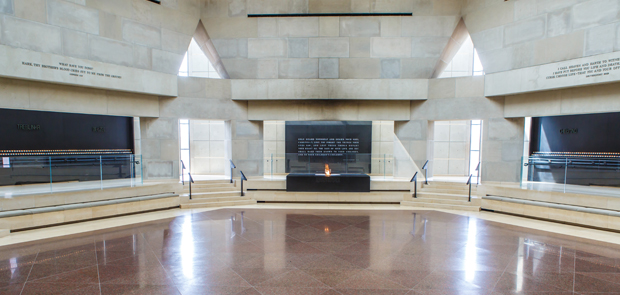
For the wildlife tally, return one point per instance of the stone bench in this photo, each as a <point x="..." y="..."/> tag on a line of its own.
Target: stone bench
<point x="53" y="215"/>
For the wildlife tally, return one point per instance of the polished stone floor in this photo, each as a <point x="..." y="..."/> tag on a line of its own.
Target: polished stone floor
<point x="286" y="251"/>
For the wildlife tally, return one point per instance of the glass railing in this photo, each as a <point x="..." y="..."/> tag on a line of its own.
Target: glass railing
<point x="20" y="175"/>
<point x="358" y="163"/>
<point x="575" y="174"/>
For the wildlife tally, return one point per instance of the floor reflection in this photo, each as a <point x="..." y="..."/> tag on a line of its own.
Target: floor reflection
<point x="259" y="251"/>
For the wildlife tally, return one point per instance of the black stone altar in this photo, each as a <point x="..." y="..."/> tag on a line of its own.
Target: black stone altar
<point x="310" y="182"/>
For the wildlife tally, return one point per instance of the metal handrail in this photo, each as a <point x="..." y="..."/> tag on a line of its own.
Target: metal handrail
<point x="414" y="179"/>
<point x="242" y="179"/>
<point x="232" y="166"/>
<point x="191" y="180"/>
<point x="469" y="183"/>
<point x="183" y="172"/>
<point x="425" y="172"/>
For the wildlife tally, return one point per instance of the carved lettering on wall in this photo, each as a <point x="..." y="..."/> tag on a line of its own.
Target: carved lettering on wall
<point x="72" y="69"/>
<point x="589" y="70"/>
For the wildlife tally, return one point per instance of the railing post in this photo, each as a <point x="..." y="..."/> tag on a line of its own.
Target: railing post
<point x="414" y="179"/>
<point x="101" y="172"/>
<point x="232" y="166"/>
<point x="469" y="183"/>
<point x="425" y="167"/>
<point x="191" y="180"/>
<point x="242" y="179"/>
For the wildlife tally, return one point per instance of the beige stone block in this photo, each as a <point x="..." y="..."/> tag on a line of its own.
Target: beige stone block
<point x="329" y="26"/>
<point x="301" y="68"/>
<point x="360" y="68"/>
<point x="31" y="35"/>
<point x="267" y="27"/>
<point x="613" y="222"/>
<point x="35" y="10"/>
<point x="390" y="47"/>
<point x="127" y="208"/>
<point x="17" y="222"/>
<point x="359" y="47"/>
<point x="594" y="99"/>
<point x="360" y="6"/>
<point x="49" y="200"/>
<point x="525" y="30"/>
<point x="470" y="87"/>
<point x="73" y="16"/>
<point x="391" y="27"/>
<point x="491" y="16"/>
<point x="41" y="219"/>
<point x="442" y="88"/>
<point x="50" y="97"/>
<point x="78" y="214"/>
<point x="141" y="34"/>
<point x="175" y="42"/>
<point x="329" y="47"/>
<point x="392" y="5"/>
<point x="15" y="94"/>
<point x="329" y="6"/>
<point x="298" y="27"/>
<point x="408" y="89"/>
<point x="166" y="62"/>
<point x="417" y="68"/>
<point x="265" y="48"/>
<point x="111" y="51"/>
<point x="103" y="211"/>
<point x="360" y="27"/>
<point x="564" y="48"/>
<point x="378" y="110"/>
<point x="121" y="8"/>
<point x="127" y="104"/>
<point x="422" y="26"/>
<point x="222" y="28"/>
<point x="18" y="203"/>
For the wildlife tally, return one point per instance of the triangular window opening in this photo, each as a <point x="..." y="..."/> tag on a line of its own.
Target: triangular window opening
<point x="465" y="63"/>
<point x="197" y="64"/>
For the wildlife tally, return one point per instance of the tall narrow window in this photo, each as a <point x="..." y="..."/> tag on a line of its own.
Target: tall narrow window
<point x="184" y="137"/>
<point x="474" y="149"/>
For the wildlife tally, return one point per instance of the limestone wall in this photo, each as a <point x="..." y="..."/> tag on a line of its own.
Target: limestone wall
<point x="20" y="94"/>
<point x="517" y="34"/>
<point x="330" y="47"/>
<point x="132" y="33"/>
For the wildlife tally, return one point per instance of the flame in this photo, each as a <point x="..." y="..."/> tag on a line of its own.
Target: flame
<point x="328" y="171"/>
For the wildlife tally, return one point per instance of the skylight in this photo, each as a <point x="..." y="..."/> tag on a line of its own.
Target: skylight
<point x="197" y="64"/>
<point x="465" y="63"/>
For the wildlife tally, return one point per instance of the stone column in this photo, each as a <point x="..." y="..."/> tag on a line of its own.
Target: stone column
<point x="502" y="149"/>
<point x="160" y="147"/>
<point x="247" y="146"/>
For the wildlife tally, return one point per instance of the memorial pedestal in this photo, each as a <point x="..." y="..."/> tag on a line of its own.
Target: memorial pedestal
<point x="310" y="182"/>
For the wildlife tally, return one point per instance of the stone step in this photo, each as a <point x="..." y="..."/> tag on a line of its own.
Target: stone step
<point x="432" y="195"/>
<point x="446" y="184"/>
<point x="217" y="199"/>
<point x="215" y="184"/>
<point x="211" y="189"/>
<point x="218" y="204"/>
<point x="214" y="195"/>
<point x="462" y="201"/>
<point x="440" y="206"/>
<point x="456" y="191"/>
